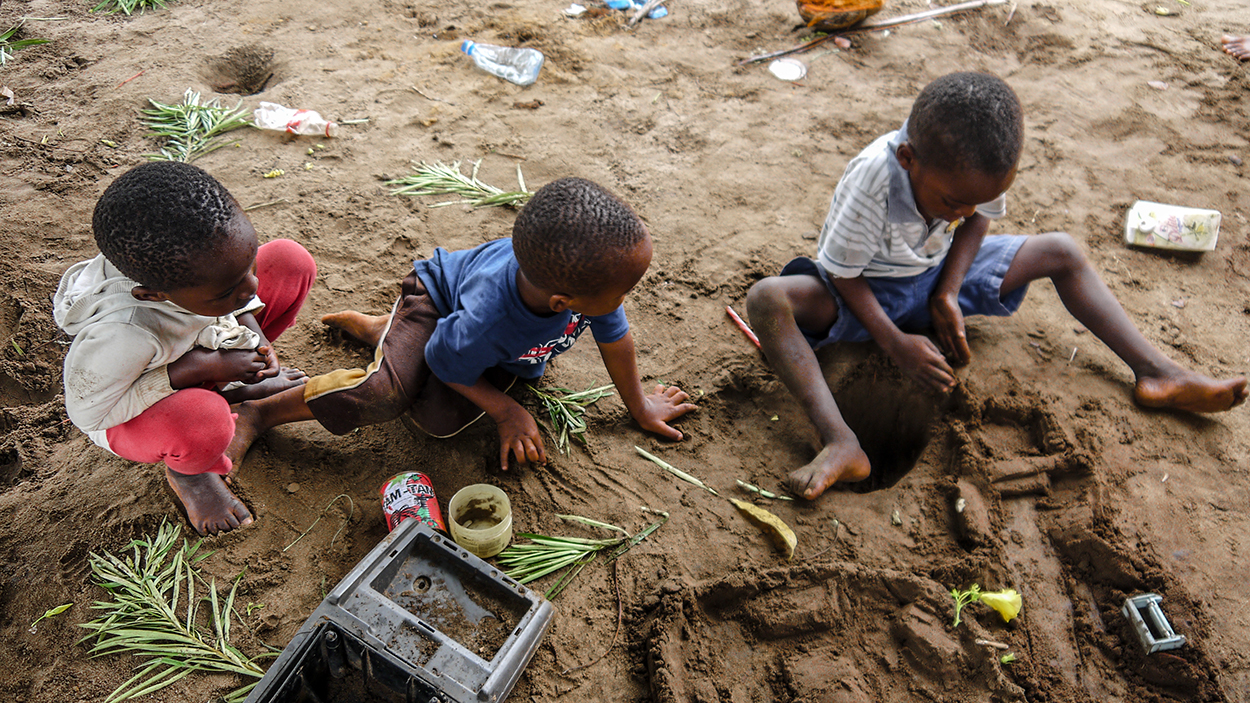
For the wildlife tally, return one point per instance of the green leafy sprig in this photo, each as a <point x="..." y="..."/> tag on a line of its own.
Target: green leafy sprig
<point x="155" y="614"/>
<point x="440" y="179"/>
<point x="567" y="409"/>
<point x="8" y="44"/>
<point x="191" y="129"/>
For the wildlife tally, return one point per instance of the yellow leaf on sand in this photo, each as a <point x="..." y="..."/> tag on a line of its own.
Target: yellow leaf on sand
<point x="1007" y="602"/>
<point x="778" y="531"/>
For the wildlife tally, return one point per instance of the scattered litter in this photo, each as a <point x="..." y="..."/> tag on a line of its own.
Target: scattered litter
<point x="742" y="325"/>
<point x="1150" y="624"/>
<point x="292" y="121"/>
<point x="895" y="518"/>
<point x="774" y="418"/>
<point x="574" y="10"/>
<point x="1232" y="158"/>
<point x="654" y="14"/>
<point x="1171" y="227"/>
<point x="274" y="173"/>
<point x="7" y="92"/>
<point x="842" y="42"/>
<point x="1073" y="356"/>
<point x="875" y="25"/>
<point x="1162" y="11"/>
<point x="1179" y="303"/>
<point x="140" y="73"/>
<point x="519" y="66"/>
<point x="1157" y="85"/>
<point x="788" y="69"/>
<point x="1165" y="478"/>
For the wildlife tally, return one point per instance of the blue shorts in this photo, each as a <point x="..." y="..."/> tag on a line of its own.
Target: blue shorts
<point x="906" y="300"/>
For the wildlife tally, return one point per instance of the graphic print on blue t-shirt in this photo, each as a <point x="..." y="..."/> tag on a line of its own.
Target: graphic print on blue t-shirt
<point x="543" y="352"/>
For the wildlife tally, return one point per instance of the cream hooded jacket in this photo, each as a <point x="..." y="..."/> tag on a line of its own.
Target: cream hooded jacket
<point x="116" y="365"/>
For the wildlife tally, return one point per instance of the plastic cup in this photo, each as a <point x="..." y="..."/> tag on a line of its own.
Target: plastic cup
<point x="480" y="517"/>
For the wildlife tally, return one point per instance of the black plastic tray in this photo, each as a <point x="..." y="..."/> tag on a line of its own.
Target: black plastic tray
<point x="417" y="620"/>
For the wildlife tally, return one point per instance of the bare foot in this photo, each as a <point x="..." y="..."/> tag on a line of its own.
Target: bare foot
<point x="1237" y="46"/>
<point x="286" y="378"/>
<point x="366" y="328"/>
<point x="255" y="417"/>
<point x="1189" y="391"/>
<point x="247" y="427"/>
<point x="836" y="462"/>
<point x="210" y="507"/>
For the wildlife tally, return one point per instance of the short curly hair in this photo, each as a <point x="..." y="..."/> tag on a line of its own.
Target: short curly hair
<point x="571" y="234"/>
<point x="967" y="121"/>
<point x="156" y="219"/>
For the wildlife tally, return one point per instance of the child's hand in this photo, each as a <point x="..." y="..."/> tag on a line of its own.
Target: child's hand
<point x="922" y="362"/>
<point x="948" y="323"/>
<point x="518" y="436"/>
<point x="272" y="367"/>
<point x="665" y="403"/>
<point x="200" y="366"/>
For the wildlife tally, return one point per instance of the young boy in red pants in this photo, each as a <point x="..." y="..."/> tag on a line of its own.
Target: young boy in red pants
<point x="904" y="250"/>
<point x="172" y="323"/>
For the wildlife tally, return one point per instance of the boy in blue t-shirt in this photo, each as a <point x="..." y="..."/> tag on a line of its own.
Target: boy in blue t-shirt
<point x="468" y="323"/>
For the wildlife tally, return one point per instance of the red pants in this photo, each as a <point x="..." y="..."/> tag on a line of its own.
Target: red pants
<point x="191" y="429"/>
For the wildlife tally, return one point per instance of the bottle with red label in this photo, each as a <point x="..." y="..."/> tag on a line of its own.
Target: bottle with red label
<point x="411" y="495"/>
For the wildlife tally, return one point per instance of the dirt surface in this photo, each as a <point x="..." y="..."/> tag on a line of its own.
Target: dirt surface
<point x="1073" y="495"/>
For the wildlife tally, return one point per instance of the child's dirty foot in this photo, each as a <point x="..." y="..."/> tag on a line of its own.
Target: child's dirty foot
<point x="286" y="378"/>
<point x="1237" y="46"/>
<point x="247" y="427"/>
<point x="366" y="328"/>
<point x="1189" y="391"/>
<point x="836" y="462"/>
<point x="208" y="504"/>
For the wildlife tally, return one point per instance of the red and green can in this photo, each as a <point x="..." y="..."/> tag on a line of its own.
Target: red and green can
<point x="411" y="495"/>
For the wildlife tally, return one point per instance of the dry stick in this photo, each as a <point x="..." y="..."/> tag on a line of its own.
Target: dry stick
<point x="140" y="73"/>
<point x="869" y="26"/>
<point x="427" y="97"/>
<point x="643" y="11"/>
<point x="620" y="615"/>
<point x="261" y="205"/>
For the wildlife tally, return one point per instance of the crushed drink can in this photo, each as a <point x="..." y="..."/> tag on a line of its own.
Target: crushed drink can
<point x="411" y="495"/>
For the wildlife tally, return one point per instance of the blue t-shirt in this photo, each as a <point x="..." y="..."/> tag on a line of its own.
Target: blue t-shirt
<point x="484" y="323"/>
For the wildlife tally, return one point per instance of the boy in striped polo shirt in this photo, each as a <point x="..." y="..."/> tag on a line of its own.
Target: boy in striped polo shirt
<point x="904" y="249"/>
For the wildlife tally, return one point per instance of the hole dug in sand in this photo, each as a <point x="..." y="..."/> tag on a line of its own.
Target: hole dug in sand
<point x="892" y="418"/>
<point x="245" y="70"/>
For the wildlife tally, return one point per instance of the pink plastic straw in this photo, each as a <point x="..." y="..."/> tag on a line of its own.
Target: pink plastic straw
<point x="742" y="326"/>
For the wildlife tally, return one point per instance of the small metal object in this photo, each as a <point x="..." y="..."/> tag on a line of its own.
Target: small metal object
<point x="1152" y="626"/>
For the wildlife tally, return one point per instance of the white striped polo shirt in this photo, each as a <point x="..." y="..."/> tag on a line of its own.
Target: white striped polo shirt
<point x="873" y="227"/>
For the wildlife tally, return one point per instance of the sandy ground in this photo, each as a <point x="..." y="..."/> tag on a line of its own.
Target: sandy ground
<point x="732" y="169"/>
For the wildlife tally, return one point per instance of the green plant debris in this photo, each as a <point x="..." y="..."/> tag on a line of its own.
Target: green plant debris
<point x="155" y="615"/>
<point x="751" y="488"/>
<point x="675" y="471"/>
<point x="546" y="554"/>
<point x="1009" y="658"/>
<point x="963" y="598"/>
<point x="440" y="179"/>
<point x="566" y="411"/>
<point x="191" y="129"/>
<point x="129" y="6"/>
<point x="1006" y="603"/>
<point x="8" y="44"/>
<point x="50" y="613"/>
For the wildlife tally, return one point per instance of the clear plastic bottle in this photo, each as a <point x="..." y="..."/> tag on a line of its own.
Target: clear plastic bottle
<point x="520" y="66"/>
<point x="292" y="121"/>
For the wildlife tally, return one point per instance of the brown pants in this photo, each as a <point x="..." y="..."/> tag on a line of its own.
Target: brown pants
<point x="398" y="379"/>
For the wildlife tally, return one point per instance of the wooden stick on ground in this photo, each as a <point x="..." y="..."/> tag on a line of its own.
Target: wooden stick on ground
<point x="871" y="26"/>
<point x="644" y="11"/>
